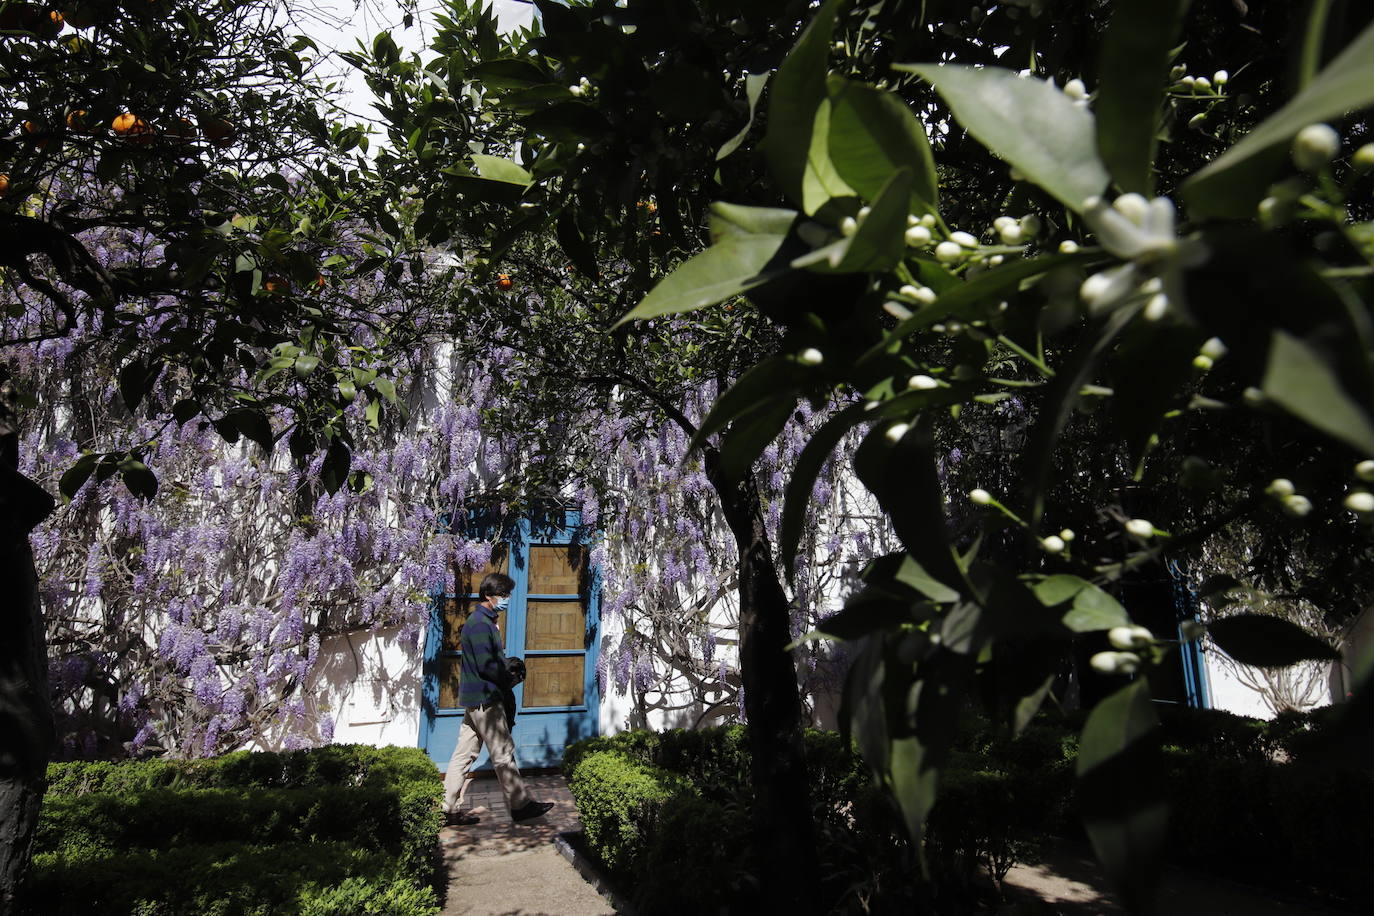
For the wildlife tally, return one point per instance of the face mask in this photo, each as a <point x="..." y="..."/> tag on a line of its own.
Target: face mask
<point x="502" y="603"/>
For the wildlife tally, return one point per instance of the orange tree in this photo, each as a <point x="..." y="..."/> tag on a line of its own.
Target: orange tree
<point x="867" y="207"/>
<point x="178" y="193"/>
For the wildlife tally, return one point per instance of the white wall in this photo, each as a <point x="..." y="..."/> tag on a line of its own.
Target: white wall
<point x="370" y="684"/>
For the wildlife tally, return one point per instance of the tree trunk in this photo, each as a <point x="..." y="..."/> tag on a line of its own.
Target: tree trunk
<point x="782" y="820"/>
<point x="26" y="721"/>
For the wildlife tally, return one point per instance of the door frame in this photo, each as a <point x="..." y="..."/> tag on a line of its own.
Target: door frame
<point x="537" y="735"/>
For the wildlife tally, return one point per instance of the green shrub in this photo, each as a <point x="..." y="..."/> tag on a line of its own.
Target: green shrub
<point x="619" y="800"/>
<point x="232" y="835"/>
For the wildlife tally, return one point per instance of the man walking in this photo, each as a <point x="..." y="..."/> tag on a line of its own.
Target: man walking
<point x="482" y="677"/>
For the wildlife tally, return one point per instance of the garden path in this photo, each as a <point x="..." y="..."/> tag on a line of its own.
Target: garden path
<point x="498" y="868"/>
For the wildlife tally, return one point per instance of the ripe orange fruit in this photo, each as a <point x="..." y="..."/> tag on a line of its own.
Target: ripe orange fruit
<point x="274" y="285"/>
<point x="129" y="124"/>
<point x="217" y="130"/>
<point x="182" y="129"/>
<point x="319" y="281"/>
<point x="504" y="282"/>
<point x="4" y="184"/>
<point x="78" y="121"/>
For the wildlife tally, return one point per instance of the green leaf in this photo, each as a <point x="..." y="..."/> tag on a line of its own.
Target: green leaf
<point x="1268" y="642"/>
<point x="1300" y="381"/>
<point x="304" y="365"/>
<point x="386" y="388"/>
<point x="735" y="219"/>
<point x="1092" y="608"/>
<point x="334" y="470"/>
<point x="751" y="433"/>
<point x="772" y="379"/>
<point x="753" y="88"/>
<point x="575" y="245"/>
<point x="1027" y="122"/>
<point x="821" y="183"/>
<point x="507" y="73"/>
<point x="1119" y="793"/>
<point x="913" y="574"/>
<point x="135" y="379"/>
<point x="75" y="476"/>
<point x="1133" y="69"/>
<point x="802" y="480"/>
<point x="873" y="134"/>
<point x="254" y="425"/>
<point x="725" y="269"/>
<point x="798" y="90"/>
<point x="878" y="244"/>
<point x="184" y="410"/>
<point x="497" y="169"/>
<point x="139" y="478"/>
<point x="1233" y="184"/>
<point x="868" y="612"/>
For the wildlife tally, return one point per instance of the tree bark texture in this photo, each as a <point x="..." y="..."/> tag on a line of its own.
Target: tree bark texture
<point x="26" y="720"/>
<point x="782" y="821"/>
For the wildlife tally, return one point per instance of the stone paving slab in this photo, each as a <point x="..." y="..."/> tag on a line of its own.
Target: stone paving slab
<point x="499" y="868"/>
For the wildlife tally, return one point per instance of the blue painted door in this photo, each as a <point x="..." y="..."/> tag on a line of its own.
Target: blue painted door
<point x="551" y="623"/>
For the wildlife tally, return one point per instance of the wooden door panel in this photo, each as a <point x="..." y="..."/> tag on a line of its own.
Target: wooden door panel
<point x="556" y="569"/>
<point x="554" y="680"/>
<point x="555" y="625"/>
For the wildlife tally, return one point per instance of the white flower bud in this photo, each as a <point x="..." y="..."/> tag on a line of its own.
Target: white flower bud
<point x="947" y="252"/>
<point x="896" y="431"/>
<point x="1221" y="77"/>
<point x="964" y="239"/>
<point x="918" y="236"/>
<point x="1052" y="544"/>
<point x="897" y="310"/>
<point x="1360" y="501"/>
<point x="863" y="213"/>
<point x="1130" y="637"/>
<point x="810" y="357"/>
<point x="575" y="89"/>
<point x="1068" y="246"/>
<point x="996" y="260"/>
<point x="1214" y="348"/>
<point x="1140" y="528"/>
<point x="1192" y="629"/>
<point x="979" y="496"/>
<point x="1363" y="160"/>
<point x="908" y="290"/>
<point x="1280" y="487"/>
<point x="1067" y="535"/>
<point x="1254" y="397"/>
<point x="1202" y="362"/>
<point x="1202" y="83"/>
<point x="1157" y="307"/>
<point x="913" y="220"/>
<point x="1095" y="287"/>
<point x="1010" y="235"/>
<point x="848" y="226"/>
<point x="928" y="220"/>
<point x="921" y="383"/>
<point x="1002" y="222"/>
<point x="1315" y="146"/>
<point x="925" y="295"/>
<point x="1189" y="81"/>
<point x="1297" y="505"/>
<point x="1115" y="662"/>
<point x="1178" y="72"/>
<point x="1133" y="206"/>
<point x="1197" y="120"/>
<point x="1031" y="224"/>
<point x="1075" y="89"/>
<point x="1365" y="470"/>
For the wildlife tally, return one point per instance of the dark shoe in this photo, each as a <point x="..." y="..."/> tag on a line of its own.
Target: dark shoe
<point x="458" y="819"/>
<point x="530" y="811"/>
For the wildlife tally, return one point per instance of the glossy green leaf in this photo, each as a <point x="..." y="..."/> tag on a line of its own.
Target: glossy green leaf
<point x="736" y="219"/>
<point x="878" y="243"/>
<point x="1132" y="73"/>
<point x="753" y="88"/>
<point x="1300" y="381"/>
<point x="798" y="90"/>
<point x="139" y="478"/>
<point x="913" y="574"/>
<point x="873" y="133"/>
<point x="865" y="613"/>
<point x="771" y="380"/>
<point x="1091" y="609"/>
<point x="736" y="264"/>
<point x="821" y="181"/>
<point x="495" y="168"/>
<point x="1268" y="642"/>
<point x="75" y="476"/>
<point x="334" y="470"/>
<point x="1234" y="183"/>
<point x="1119" y="793"/>
<point x="1026" y="121"/>
<point x="750" y="434"/>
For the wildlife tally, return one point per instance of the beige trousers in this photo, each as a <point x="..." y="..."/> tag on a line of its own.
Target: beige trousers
<point x="484" y="725"/>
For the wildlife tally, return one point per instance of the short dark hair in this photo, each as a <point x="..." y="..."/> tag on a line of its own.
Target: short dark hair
<point x="496" y="584"/>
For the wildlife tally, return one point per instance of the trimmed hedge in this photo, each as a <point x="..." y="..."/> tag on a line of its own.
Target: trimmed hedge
<point x="341" y="830"/>
<point x="667" y="813"/>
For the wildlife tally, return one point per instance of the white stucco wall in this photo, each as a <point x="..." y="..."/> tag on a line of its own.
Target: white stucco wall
<point x="370" y="684"/>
